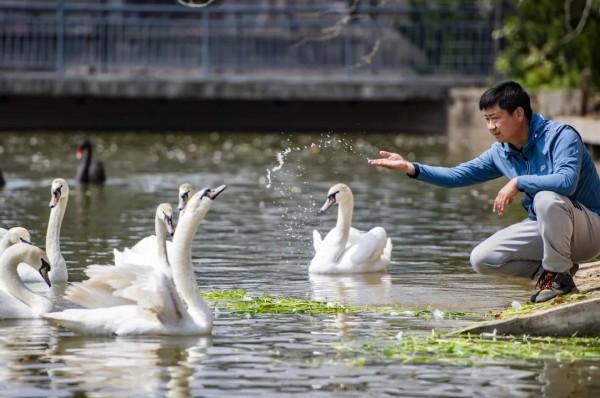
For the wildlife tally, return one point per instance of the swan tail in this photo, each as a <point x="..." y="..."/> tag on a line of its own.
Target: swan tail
<point x="317" y="240"/>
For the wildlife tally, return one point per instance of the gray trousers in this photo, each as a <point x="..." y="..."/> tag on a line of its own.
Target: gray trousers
<point x="563" y="234"/>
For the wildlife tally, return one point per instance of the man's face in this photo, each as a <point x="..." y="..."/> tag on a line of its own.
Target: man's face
<point x="502" y="125"/>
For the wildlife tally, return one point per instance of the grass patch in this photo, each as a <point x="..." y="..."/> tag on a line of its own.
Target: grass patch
<point x="529" y="308"/>
<point x="240" y="302"/>
<point x="470" y="349"/>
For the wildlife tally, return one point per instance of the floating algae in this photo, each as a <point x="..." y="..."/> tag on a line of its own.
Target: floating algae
<point x="472" y="349"/>
<point x="240" y="302"/>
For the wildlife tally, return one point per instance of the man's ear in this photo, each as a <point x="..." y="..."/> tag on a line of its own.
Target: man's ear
<point x="520" y="113"/>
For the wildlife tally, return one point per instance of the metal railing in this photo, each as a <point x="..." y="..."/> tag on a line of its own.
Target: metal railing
<point x="88" y="38"/>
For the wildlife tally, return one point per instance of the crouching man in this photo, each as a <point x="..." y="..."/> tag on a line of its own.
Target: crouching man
<point x="546" y="161"/>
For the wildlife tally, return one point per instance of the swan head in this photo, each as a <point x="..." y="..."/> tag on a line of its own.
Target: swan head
<point x="84" y="146"/>
<point x="58" y="190"/>
<point x="18" y="235"/>
<point x="212" y="193"/>
<point x="186" y="191"/>
<point x="164" y="213"/>
<point x="35" y="258"/>
<point x="338" y="194"/>
<point x="202" y="200"/>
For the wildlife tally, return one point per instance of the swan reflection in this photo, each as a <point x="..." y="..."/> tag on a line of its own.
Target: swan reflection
<point x="355" y="289"/>
<point x="150" y="365"/>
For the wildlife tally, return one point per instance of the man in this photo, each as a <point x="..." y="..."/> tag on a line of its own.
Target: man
<point x="548" y="162"/>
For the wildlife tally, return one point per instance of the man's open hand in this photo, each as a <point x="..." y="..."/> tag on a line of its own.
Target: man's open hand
<point x="393" y="161"/>
<point x="505" y="196"/>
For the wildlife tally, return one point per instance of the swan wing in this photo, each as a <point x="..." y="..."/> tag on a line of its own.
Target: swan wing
<point x="94" y="294"/>
<point x="370" y="247"/>
<point x="143" y="252"/>
<point x="317" y="240"/>
<point x="151" y="299"/>
<point x="110" y="286"/>
<point x="97" y="173"/>
<point x="146" y="245"/>
<point x="103" y="280"/>
<point x="354" y="236"/>
<point x="156" y="293"/>
<point x="2" y="232"/>
<point x="115" y="277"/>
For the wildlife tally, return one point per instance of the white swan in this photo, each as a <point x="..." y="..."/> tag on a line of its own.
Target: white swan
<point x="16" y="300"/>
<point x="151" y="250"/>
<point x="158" y="305"/>
<point x="346" y="249"/>
<point x="186" y="191"/>
<point x="148" y="254"/>
<point x="13" y="236"/>
<point x="58" y="204"/>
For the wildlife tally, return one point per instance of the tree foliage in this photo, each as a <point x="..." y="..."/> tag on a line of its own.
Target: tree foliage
<point x="550" y="42"/>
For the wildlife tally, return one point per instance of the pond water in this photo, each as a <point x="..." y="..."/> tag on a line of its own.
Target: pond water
<point x="258" y="237"/>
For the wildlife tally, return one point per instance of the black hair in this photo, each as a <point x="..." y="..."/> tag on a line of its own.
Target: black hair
<point x="509" y="96"/>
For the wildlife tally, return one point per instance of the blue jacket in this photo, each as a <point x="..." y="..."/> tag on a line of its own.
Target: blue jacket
<point x="554" y="159"/>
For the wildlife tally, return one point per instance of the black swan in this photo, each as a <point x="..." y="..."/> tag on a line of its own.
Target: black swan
<point x="2" y="182"/>
<point x="88" y="171"/>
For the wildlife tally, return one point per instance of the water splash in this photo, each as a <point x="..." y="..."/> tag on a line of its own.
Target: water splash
<point x="296" y="173"/>
<point x="280" y="160"/>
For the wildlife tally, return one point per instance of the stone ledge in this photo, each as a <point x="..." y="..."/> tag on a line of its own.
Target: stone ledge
<point x="588" y="127"/>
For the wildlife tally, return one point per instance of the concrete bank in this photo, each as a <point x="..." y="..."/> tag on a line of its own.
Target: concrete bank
<point x="581" y="318"/>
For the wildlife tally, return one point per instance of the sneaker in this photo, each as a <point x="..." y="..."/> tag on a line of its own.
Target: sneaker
<point x="552" y="284"/>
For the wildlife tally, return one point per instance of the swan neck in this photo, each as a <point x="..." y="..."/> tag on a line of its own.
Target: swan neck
<point x="161" y="244"/>
<point x="11" y="281"/>
<point x="344" y="220"/>
<point x="183" y="272"/>
<point x="83" y="169"/>
<point x="53" y="231"/>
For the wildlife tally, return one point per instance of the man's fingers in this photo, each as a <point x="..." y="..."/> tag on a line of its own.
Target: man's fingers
<point x="385" y="154"/>
<point x="500" y="204"/>
<point x="382" y="163"/>
<point x="377" y="162"/>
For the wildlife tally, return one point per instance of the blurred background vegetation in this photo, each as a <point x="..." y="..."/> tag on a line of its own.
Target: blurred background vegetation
<point x="549" y="43"/>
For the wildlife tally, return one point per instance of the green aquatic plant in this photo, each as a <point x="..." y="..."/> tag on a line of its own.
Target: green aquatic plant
<point x="470" y="349"/>
<point x="529" y="308"/>
<point x="240" y="302"/>
<point x="236" y="294"/>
